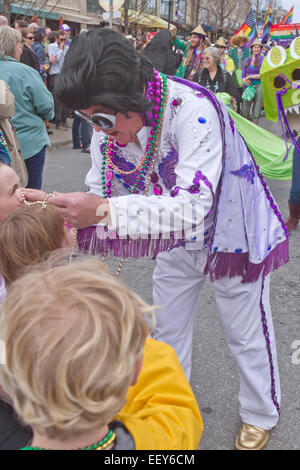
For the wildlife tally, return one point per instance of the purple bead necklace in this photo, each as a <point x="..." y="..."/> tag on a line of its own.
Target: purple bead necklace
<point x="157" y="91"/>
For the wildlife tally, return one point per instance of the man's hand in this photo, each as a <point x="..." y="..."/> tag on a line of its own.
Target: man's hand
<point x="31" y="195"/>
<point x="81" y="209"/>
<point x="53" y="59"/>
<point x="246" y="81"/>
<point x="78" y="209"/>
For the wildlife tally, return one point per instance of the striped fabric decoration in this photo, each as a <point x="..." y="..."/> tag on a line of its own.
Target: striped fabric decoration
<point x="249" y="27"/>
<point x="267" y="27"/>
<point x="288" y="18"/>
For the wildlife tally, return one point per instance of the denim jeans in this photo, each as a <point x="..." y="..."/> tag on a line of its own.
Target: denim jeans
<point x="295" y="189"/>
<point x="35" y="166"/>
<point x="81" y="133"/>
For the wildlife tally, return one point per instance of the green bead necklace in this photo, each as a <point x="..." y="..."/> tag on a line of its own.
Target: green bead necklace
<point x="100" y="445"/>
<point x="143" y="166"/>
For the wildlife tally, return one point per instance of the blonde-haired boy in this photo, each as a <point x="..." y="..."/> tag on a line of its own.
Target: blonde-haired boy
<point x="81" y="371"/>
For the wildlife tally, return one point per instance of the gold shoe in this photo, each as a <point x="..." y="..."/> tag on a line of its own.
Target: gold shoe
<point x="251" y="438"/>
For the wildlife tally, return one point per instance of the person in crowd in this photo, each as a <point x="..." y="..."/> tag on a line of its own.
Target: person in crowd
<point x="159" y="52"/>
<point x="81" y="134"/>
<point x="9" y="183"/>
<point x="226" y="62"/>
<point x="294" y="197"/>
<point x="265" y="49"/>
<point x="251" y="78"/>
<point x="91" y="378"/>
<point x="162" y="145"/>
<point x="3" y="21"/>
<point x="141" y="44"/>
<point x="18" y="258"/>
<point x="51" y="39"/>
<point x="192" y="52"/>
<point x="213" y="77"/>
<point x="68" y="31"/>
<point x="38" y="45"/>
<point x="33" y="103"/>
<point x="239" y="53"/>
<point x="132" y="39"/>
<point x="30" y="233"/>
<point x="10" y="146"/>
<point x="48" y="30"/>
<point x="20" y="24"/>
<point x="81" y="131"/>
<point x="56" y="53"/>
<point x="39" y="49"/>
<point x="145" y="40"/>
<point x="27" y="235"/>
<point x="28" y="56"/>
<point x="33" y="27"/>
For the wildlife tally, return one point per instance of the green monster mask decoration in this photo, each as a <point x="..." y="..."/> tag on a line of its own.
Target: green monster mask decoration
<point x="280" y="78"/>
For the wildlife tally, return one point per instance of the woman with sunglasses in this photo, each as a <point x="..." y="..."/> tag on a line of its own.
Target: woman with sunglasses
<point x="171" y="177"/>
<point x="213" y="76"/>
<point x="29" y="57"/>
<point x="227" y="63"/>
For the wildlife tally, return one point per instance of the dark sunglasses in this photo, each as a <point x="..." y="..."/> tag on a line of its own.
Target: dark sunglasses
<point x="62" y="39"/>
<point x="31" y="37"/>
<point x="101" y="120"/>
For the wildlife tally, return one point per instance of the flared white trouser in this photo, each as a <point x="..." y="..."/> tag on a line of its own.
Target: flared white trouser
<point x="246" y="316"/>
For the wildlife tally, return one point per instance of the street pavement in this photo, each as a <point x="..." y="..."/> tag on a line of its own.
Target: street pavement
<point x="215" y="378"/>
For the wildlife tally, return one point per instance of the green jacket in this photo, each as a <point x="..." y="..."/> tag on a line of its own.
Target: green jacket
<point x="33" y="102"/>
<point x="234" y="56"/>
<point x="237" y="74"/>
<point x="182" y="46"/>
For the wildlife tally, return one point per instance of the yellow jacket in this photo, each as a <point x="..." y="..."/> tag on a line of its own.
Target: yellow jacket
<point x="162" y="411"/>
<point x="228" y="63"/>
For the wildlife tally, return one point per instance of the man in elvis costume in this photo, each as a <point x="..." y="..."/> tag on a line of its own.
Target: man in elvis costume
<point x="198" y="159"/>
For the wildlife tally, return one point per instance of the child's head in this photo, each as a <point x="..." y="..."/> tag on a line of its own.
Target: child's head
<point x="27" y="236"/>
<point x="9" y="182"/>
<point x="74" y="339"/>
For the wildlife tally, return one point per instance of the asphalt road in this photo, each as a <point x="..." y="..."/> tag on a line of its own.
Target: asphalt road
<point x="215" y="377"/>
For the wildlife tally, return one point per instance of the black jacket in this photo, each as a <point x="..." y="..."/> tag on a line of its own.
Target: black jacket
<point x="159" y="51"/>
<point x="222" y="83"/>
<point x="28" y="57"/>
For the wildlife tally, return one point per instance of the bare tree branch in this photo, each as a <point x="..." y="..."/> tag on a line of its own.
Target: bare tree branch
<point x="140" y="7"/>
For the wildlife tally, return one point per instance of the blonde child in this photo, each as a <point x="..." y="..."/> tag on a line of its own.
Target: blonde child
<point x="27" y="236"/>
<point x="81" y="370"/>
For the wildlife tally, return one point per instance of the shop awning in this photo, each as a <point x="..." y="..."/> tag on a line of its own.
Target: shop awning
<point x="29" y="11"/>
<point x="89" y="20"/>
<point x="24" y="10"/>
<point x="142" y="19"/>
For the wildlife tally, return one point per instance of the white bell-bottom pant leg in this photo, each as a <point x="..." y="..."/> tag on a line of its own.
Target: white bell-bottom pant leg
<point x="247" y="320"/>
<point x="246" y="316"/>
<point x="177" y="284"/>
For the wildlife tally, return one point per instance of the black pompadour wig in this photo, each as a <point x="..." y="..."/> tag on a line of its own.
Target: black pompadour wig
<point x="103" y="67"/>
